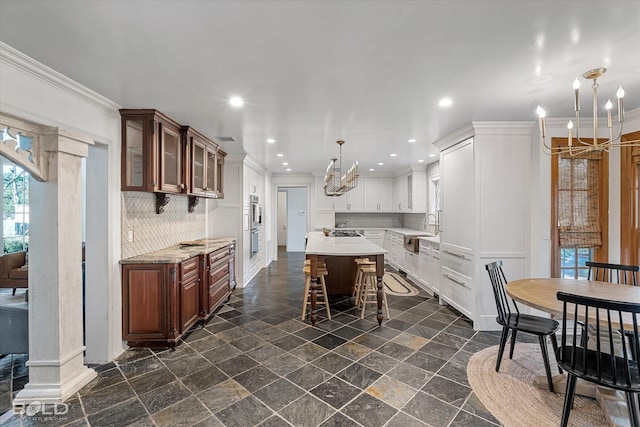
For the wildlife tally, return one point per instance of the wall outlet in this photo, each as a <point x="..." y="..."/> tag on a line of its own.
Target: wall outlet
<point x="130" y="236"/>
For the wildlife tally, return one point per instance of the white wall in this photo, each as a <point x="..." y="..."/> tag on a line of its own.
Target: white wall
<point x="34" y="92"/>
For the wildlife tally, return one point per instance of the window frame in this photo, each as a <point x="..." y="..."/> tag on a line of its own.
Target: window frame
<point x="629" y="204"/>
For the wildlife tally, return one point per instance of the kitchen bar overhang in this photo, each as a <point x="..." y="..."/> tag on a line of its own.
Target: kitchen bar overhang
<point x="339" y="254"/>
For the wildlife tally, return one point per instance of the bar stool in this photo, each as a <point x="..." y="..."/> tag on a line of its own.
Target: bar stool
<point x="357" y="285"/>
<point x="321" y="290"/>
<point x="369" y="289"/>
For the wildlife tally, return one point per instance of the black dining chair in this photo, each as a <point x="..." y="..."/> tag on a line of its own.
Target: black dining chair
<point x="607" y="363"/>
<point x="613" y="273"/>
<point x="510" y="318"/>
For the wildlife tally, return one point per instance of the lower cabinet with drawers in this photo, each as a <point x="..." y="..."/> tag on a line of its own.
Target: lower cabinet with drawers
<point x="162" y="301"/>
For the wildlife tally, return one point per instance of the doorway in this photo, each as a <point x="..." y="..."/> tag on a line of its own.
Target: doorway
<point x="292" y="218"/>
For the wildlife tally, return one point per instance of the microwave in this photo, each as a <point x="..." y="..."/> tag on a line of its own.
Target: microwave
<point x="255" y="211"/>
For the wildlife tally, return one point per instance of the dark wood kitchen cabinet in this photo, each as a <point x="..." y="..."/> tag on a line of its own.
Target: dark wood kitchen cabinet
<point x="160" y="302"/>
<point x="220" y="268"/>
<point x="153" y="153"/>
<point x="205" y="168"/>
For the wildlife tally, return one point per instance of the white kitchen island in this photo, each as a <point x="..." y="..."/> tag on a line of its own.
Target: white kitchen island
<point x="339" y="254"/>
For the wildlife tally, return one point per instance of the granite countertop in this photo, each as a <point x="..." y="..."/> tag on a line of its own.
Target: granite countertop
<point x="179" y="253"/>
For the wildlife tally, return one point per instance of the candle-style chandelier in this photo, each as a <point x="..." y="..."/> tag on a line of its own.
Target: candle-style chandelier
<point x="336" y="183"/>
<point x="576" y="145"/>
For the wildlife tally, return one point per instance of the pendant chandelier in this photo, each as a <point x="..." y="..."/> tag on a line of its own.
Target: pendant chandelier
<point x="577" y="146"/>
<point x="336" y="183"/>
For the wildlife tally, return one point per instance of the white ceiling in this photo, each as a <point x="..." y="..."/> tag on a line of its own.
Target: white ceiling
<point x="313" y="72"/>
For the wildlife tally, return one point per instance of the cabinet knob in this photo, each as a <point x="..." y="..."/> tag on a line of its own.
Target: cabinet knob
<point x="183" y="186"/>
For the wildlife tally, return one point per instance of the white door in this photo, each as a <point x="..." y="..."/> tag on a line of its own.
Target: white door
<point x="296" y="218"/>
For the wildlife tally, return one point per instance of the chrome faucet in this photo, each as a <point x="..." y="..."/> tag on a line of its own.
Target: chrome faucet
<point x="436" y="221"/>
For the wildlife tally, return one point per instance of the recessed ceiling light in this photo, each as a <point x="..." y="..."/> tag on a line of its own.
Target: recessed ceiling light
<point x="280" y="155"/>
<point x="432" y="155"/>
<point x="271" y="140"/>
<point x="412" y="140"/>
<point x="236" y="101"/>
<point x="380" y="164"/>
<point x="285" y="164"/>
<point x="445" y="102"/>
<point x="288" y="169"/>
<point x="393" y="154"/>
<point x="421" y="161"/>
<point x="371" y="169"/>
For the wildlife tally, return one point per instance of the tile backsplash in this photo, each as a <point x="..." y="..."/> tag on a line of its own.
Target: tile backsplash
<point x="151" y="231"/>
<point x="382" y="220"/>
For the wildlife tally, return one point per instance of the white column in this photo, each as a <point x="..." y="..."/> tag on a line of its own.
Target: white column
<point x="56" y="359"/>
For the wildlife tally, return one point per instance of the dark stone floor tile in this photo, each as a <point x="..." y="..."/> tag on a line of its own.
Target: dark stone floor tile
<point x="460" y="331"/>
<point x="369" y="411"/>
<point x="359" y="375"/>
<point x="330" y="341"/>
<point x="308" y="411"/>
<point x="210" y="342"/>
<point x="434" y="324"/>
<point x="423" y="331"/>
<point x="289" y="342"/>
<point x="455" y="372"/>
<point x="308" y="376"/>
<point x="449" y="391"/>
<point x="364" y="324"/>
<point x="140" y="366"/>
<point x="430" y="410"/>
<point x="309" y="333"/>
<point x="396" y="351"/>
<point x="464" y="419"/>
<point x="221" y="353"/>
<point x="332" y="362"/>
<point x="106" y="397"/>
<point x="204" y="379"/>
<point x="124" y="413"/>
<point x="220" y="326"/>
<point x="152" y="380"/>
<point x="403" y="420"/>
<point x="335" y="392"/>
<point x="352" y="350"/>
<point x="247" y="343"/>
<point x="378" y="362"/>
<point x="398" y="324"/>
<point x="188" y="364"/>
<point x="256" y="378"/>
<point x="132" y="355"/>
<point x="187" y="412"/>
<point x="410" y="375"/>
<point x="274" y="421"/>
<point x="450" y="340"/>
<point x="265" y="352"/>
<point x="232" y="334"/>
<point x="309" y="351"/>
<point x="196" y="334"/>
<point x="156" y="400"/>
<point x="284" y="364"/>
<point x="369" y="340"/>
<point x="222" y="395"/>
<point x="236" y="365"/>
<point x="438" y="349"/>
<point x="347" y="332"/>
<point x="339" y="420"/>
<point x="425" y="361"/>
<point x="104" y="379"/>
<point x="247" y="412"/>
<point x="279" y="394"/>
<point x="475" y="407"/>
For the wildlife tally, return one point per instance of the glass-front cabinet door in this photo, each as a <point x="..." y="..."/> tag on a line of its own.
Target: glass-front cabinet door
<point x="133" y="153"/>
<point x="171" y="159"/>
<point x="198" y="167"/>
<point x="219" y="186"/>
<point x="211" y="171"/>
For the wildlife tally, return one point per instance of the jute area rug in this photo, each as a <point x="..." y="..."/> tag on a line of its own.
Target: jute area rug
<point x="512" y="398"/>
<point x="395" y="284"/>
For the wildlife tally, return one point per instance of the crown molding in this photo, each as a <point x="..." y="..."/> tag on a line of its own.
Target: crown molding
<point x="16" y="59"/>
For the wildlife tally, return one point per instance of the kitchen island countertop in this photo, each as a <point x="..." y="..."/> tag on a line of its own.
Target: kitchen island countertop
<point x="319" y="244"/>
<point x="179" y="253"/>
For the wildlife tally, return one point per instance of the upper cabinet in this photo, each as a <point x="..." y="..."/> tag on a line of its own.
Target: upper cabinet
<point x="152" y="153"/>
<point x="205" y="166"/>
<point x="377" y="194"/>
<point x="410" y="191"/>
<point x="161" y="156"/>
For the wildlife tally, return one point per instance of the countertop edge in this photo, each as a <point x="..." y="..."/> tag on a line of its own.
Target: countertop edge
<point x="177" y="253"/>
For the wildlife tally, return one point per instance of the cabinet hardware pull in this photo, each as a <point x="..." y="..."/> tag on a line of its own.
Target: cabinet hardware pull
<point x="456" y="255"/>
<point x="454" y="280"/>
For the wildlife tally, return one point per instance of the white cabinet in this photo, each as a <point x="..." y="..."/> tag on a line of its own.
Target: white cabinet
<point x="396" y="250"/>
<point x="410" y="191"/>
<point x="377" y="194"/>
<point x="375" y="236"/>
<point x="350" y="201"/>
<point x="323" y="203"/>
<point x="427" y="273"/>
<point x="484" y="179"/>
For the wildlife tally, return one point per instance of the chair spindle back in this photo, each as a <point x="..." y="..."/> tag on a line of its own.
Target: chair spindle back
<point x="498" y="282"/>
<point x="613" y="273"/>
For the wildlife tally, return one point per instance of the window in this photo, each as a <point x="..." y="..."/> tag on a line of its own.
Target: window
<point x="434" y="199"/>
<point x="579" y="214"/>
<point x="15" y="207"/>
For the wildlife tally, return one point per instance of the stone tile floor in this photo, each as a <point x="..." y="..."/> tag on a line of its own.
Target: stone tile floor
<point x="255" y="363"/>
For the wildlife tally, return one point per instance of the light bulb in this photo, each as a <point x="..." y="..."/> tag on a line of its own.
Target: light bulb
<point x="541" y="112"/>
<point x="620" y="92"/>
<point x="576" y="84"/>
<point x="570" y="125"/>
<point x="608" y="105"/>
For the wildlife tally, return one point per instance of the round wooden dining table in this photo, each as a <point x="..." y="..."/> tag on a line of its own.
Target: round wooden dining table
<point x="541" y="293"/>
